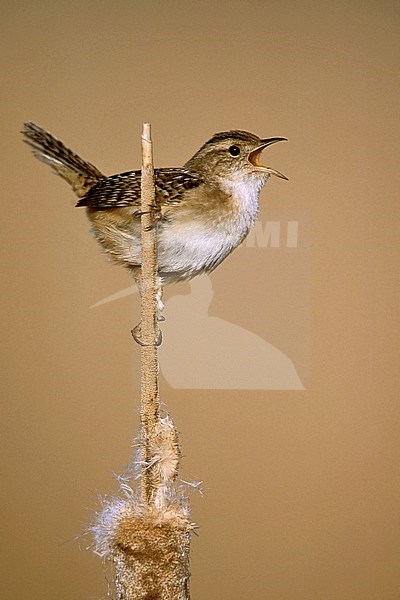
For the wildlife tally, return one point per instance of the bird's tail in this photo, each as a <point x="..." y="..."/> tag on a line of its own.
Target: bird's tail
<point x="80" y="175"/>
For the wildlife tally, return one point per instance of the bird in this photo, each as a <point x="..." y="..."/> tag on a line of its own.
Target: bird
<point x="205" y="209"/>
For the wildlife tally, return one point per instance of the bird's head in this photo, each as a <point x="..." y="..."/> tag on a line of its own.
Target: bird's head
<point x="233" y="156"/>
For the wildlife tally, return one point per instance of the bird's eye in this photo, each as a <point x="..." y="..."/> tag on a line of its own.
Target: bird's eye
<point x="234" y="150"/>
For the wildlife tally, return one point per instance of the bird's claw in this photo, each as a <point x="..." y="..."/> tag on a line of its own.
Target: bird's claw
<point x="137" y="332"/>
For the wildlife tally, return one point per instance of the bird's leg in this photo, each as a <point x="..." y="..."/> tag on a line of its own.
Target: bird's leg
<point x="155" y="211"/>
<point x="137" y="330"/>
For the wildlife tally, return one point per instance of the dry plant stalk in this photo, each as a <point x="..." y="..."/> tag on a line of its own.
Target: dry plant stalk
<point x="147" y="535"/>
<point x="149" y="286"/>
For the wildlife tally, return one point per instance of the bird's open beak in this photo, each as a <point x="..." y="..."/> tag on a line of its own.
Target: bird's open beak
<point x="254" y="157"/>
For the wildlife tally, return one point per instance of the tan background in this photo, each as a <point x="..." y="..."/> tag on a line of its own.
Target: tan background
<point x="300" y="487"/>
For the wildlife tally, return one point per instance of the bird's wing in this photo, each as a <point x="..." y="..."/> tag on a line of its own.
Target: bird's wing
<point x="124" y="189"/>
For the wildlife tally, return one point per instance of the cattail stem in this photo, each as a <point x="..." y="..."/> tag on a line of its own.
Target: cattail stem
<point x="148" y="538"/>
<point x="150" y="401"/>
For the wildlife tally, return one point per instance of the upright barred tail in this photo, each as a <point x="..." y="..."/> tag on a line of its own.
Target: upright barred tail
<point x="80" y="175"/>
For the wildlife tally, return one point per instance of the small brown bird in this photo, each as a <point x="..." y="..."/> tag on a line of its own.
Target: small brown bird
<point x="206" y="208"/>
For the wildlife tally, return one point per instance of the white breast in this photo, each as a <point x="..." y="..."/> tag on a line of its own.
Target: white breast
<point x="196" y="246"/>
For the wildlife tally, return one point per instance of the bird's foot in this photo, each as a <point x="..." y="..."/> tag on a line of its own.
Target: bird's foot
<point x="137" y="336"/>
